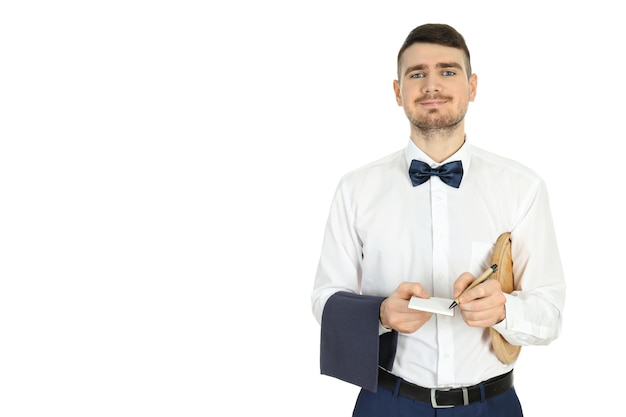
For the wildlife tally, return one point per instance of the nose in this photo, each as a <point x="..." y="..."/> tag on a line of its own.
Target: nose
<point x="431" y="85"/>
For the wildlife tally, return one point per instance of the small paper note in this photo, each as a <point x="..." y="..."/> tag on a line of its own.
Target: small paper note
<point x="433" y="305"/>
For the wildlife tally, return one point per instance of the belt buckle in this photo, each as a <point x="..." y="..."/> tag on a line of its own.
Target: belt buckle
<point x="433" y="397"/>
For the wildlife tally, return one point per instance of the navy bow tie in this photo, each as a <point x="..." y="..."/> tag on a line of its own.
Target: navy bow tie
<point x="450" y="173"/>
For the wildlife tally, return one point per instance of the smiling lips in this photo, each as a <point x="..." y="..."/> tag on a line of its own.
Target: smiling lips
<point x="438" y="102"/>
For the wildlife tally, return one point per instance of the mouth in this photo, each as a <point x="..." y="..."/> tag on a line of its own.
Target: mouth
<point x="433" y="103"/>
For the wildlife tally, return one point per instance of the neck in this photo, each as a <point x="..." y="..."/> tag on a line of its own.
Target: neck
<point x="438" y="144"/>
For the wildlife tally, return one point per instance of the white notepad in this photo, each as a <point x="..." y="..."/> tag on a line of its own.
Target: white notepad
<point x="433" y="305"/>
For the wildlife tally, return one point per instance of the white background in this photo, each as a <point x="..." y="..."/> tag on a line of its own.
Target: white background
<point x="166" y="168"/>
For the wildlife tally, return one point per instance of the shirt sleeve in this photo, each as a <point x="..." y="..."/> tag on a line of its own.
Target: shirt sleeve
<point x="340" y="262"/>
<point x="352" y="345"/>
<point x="534" y="309"/>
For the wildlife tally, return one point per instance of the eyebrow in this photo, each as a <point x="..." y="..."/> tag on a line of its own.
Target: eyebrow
<point x="439" y="65"/>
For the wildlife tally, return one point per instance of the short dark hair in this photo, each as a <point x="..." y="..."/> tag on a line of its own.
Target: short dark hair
<point x="440" y="34"/>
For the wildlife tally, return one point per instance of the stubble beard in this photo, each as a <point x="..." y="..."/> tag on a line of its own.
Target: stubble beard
<point x="435" y="123"/>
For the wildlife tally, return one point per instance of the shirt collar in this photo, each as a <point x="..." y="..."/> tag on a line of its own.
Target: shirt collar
<point x="463" y="154"/>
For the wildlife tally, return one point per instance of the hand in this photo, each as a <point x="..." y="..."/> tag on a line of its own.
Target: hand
<point x="395" y="312"/>
<point x="483" y="305"/>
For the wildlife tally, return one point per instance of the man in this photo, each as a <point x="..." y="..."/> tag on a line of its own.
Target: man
<point x="398" y="229"/>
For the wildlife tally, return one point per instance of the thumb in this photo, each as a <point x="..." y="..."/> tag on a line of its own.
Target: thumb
<point x="462" y="282"/>
<point x="409" y="289"/>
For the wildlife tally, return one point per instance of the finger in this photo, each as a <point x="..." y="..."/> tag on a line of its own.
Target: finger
<point x="481" y="317"/>
<point x="484" y="290"/>
<point x="411" y="321"/>
<point x="462" y="282"/>
<point x="406" y="290"/>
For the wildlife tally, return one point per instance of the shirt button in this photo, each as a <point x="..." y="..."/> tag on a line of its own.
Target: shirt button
<point x="446" y="356"/>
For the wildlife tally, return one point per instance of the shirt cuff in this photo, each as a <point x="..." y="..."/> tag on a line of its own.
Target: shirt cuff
<point x="510" y="306"/>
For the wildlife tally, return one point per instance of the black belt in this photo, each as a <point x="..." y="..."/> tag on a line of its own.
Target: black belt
<point x="442" y="397"/>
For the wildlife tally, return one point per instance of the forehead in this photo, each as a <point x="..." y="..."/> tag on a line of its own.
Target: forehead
<point x="429" y="55"/>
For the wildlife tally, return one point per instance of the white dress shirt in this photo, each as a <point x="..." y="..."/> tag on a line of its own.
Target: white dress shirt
<point x="381" y="231"/>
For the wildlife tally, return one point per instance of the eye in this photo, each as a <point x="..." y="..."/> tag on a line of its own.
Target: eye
<point x="448" y="73"/>
<point x="418" y="75"/>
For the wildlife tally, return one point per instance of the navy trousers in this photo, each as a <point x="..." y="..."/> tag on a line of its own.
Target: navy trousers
<point x="386" y="403"/>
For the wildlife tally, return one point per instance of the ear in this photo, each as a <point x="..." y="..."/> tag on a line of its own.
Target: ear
<point x="396" y="89"/>
<point x="473" y="82"/>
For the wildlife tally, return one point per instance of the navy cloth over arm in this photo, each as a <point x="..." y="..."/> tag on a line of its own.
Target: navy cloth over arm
<point x="351" y="348"/>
